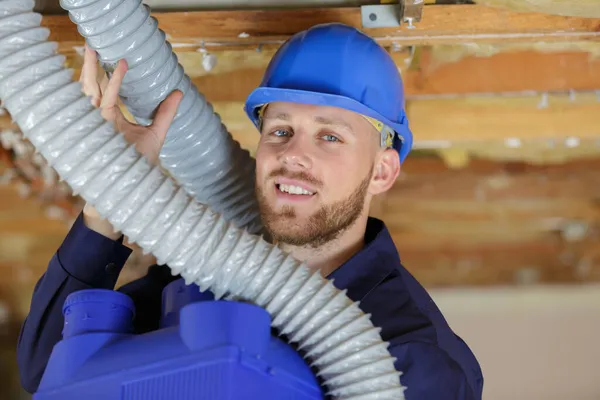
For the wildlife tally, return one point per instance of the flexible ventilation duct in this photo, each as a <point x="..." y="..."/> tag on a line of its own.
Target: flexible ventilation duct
<point x="198" y="151"/>
<point x="196" y="242"/>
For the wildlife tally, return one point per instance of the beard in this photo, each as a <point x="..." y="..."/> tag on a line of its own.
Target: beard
<point x="323" y="226"/>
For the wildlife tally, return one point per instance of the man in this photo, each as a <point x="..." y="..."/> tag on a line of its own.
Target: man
<point x="333" y="134"/>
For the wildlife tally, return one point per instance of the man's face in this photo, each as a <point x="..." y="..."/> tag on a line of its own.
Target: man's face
<point x="314" y="170"/>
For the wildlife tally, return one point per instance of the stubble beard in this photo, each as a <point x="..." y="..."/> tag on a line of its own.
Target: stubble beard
<point x="323" y="226"/>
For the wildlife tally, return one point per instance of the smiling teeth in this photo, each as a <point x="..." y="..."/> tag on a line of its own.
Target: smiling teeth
<point x="294" y="189"/>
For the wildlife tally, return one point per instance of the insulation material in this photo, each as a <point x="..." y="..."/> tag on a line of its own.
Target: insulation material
<point x="34" y="178"/>
<point x="228" y="61"/>
<point x="539" y="152"/>
<point x="568" y="8"/>
<point x="444" y="54"/>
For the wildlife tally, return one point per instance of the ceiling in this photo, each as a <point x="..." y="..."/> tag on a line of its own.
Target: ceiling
<point x="53" y="6"/>
<point x="508" y="140"/>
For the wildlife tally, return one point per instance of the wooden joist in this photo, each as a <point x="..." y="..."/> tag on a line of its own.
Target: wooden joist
<point x="497" y="223"/>
<point x="490" y="201"/>
<point x="443" y="121"/>
<point x="7" y="123"/>
<point x="440" y="24"/>
<point x="488" y="118"/>
<point x="534" y="262"/>
<point x="507" y="71"/>
<point x="237" y="73"/>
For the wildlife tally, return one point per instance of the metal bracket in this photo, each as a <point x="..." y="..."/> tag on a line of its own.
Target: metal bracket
<point x="392" y="15"/>
<point x="411" y="11"/>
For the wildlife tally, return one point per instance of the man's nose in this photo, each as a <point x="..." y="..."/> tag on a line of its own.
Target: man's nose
<point x="295" y="155"/>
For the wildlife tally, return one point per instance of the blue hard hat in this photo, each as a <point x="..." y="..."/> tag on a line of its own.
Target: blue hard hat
<point x="336" y="65"/>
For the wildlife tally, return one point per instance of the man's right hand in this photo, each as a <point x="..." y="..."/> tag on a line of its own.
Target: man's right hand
<point x="148" y="140"/>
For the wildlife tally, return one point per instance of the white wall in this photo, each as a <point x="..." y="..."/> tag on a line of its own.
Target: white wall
<point x="532" y="342"/>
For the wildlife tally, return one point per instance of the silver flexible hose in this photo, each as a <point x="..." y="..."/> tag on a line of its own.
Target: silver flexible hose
<point x="198" y="152"/>
<point x="152" y="210"/>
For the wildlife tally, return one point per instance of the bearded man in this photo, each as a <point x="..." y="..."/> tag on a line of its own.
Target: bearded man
<point x="333" y="135"/>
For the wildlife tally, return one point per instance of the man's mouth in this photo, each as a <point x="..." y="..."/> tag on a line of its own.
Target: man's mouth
<point x="291" y="189"/>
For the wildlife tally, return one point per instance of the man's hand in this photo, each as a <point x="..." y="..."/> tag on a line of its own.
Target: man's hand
<point x="148" y="140"/>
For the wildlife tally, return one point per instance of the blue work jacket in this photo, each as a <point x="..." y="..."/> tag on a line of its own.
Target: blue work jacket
<point x="436" y="363"/>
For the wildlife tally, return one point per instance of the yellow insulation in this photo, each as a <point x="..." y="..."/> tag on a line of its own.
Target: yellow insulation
<point x="568" y="8"/>
<point x="443" y="54"/>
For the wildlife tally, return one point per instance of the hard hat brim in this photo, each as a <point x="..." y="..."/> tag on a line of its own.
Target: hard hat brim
<point x="265" y="95"/>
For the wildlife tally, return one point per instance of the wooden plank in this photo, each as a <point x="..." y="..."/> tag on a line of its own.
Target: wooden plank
<point x="440" y="24"/>
<point x="508" y="72"/>
<point x="19" y="216"/>
<point x="420" y="167"/>
<point x="238" y="72"/>
<point x="467" y="119"/>
<point x="587" y="9"/>
<point x="474" y="224"/>
<point x="497" y="223"/>
<point x="490" y="201"/>
<point x="6" y="123"/>
<point x="486" y="118"/>
<point x="530" y="215"/>
<point x="473" y="119"/>
<point x="561" y="182"/>
<point x="533" y="262"/>
<point x="511" y="71"/>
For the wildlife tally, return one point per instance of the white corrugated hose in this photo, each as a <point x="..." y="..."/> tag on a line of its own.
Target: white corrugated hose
<point x="198" y="151"/>
<point x="160" y="216"/>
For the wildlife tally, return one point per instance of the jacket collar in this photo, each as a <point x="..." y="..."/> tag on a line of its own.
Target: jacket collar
<point x="365" y="270"/>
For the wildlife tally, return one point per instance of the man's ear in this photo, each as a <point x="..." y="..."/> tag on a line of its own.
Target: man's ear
<point x="387" y="169"/>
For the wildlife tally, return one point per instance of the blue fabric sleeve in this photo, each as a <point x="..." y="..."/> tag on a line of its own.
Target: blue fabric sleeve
<point x="85" y="260"/>
<point x="429" y="374"/>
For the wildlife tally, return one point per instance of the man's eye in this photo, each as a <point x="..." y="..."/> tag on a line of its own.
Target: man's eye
<point x="280" y="133"/>
<point x="331" y="138"/>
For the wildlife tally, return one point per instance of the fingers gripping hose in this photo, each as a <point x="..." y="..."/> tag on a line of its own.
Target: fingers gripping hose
<point x="198" y="152"/>
<point x="152" y="210"/>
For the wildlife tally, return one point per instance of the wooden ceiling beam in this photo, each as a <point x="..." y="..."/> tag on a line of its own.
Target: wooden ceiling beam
<point x="424" y="167"/>
<point x="490" y="202"/>
<point x="531" y="262"/>
<point x="447" y="24"/>
<point x="238" y="72"/>
<point x="483" y="118"/>
<point x="496" y="223"/>
<point x="507" y="72"/>
<point x="443" y="121"/>
<point x="6" y="122"/>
